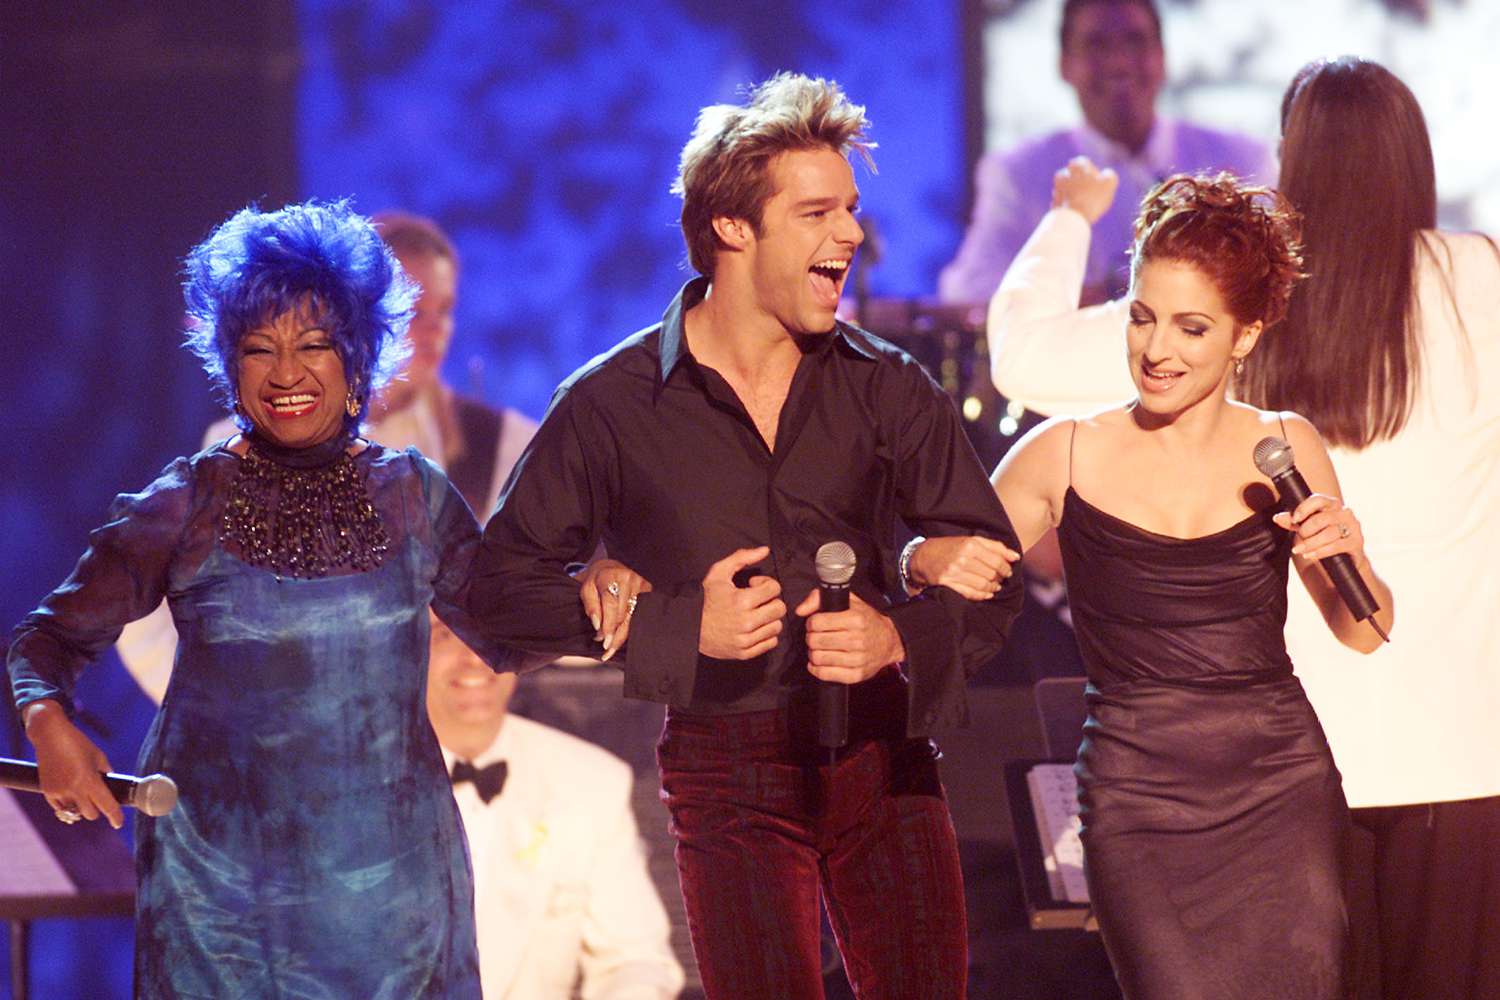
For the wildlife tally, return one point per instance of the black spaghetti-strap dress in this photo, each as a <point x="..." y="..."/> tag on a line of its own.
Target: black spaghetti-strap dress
<point x="1213" y="815"/>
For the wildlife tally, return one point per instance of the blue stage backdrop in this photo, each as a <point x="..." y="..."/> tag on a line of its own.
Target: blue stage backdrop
<point x="543" y="136"/>
<point x="545" y="142"/>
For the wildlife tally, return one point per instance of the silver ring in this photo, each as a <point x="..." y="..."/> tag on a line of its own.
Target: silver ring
<point x="613" y="590"/>
<point x="1343" y="531"/>
<point x="68" y="816"/>
<point x="630" y="605"/>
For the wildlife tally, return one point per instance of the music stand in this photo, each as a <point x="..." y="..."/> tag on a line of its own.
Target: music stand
<point x="1044" y="910"/>
<point x="82" y="870"/>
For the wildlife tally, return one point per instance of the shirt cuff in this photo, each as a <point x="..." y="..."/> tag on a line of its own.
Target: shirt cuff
<point x="661" y="655"/>
<point x="934" y="666"/>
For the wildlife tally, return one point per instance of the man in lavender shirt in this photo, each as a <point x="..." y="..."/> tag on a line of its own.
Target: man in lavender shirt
<point x="1112" y="57"/>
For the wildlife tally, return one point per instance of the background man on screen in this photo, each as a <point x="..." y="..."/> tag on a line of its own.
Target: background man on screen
<point x="1112" y="57"/>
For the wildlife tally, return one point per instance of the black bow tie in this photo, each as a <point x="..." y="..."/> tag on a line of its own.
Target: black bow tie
<point x="487" y="780"/>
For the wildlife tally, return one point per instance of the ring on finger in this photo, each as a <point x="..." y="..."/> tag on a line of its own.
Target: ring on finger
<point x="613" y="590"/>
<point x="68" y="816"/>
<point x="1343" y="531"/>
<point x="630" y="605"/>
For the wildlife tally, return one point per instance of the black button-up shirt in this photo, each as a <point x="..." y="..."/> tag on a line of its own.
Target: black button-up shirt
<point x="654" y="454"/>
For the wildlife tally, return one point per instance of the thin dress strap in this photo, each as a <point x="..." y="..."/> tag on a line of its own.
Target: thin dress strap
<point x="1072" y="436"/>
<point x="1281" y="420"/>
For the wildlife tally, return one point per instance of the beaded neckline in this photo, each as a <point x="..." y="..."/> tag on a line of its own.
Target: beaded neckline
<point x="303" y="512"/>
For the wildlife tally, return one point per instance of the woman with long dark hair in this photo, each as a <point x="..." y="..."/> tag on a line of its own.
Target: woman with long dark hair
<point x="1392" y="349"/>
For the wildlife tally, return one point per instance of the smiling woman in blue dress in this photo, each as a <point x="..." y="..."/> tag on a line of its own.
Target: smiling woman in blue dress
<point x="316" y="849"/>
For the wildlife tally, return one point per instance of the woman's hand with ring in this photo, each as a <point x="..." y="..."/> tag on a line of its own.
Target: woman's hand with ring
<point x="971" y="566"/>
<point x="71" y="766"/>
<point x="1323" y="527"/>
<point x="609" y="591"/>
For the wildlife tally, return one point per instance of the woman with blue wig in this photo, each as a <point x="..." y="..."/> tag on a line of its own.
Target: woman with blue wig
<point x="316" y="849"/>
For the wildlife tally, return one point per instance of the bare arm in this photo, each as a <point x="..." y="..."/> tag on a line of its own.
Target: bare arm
<point x="1030" y="482"/>
<point x="1046" y="352"/>
<point x="1325" y="527"/>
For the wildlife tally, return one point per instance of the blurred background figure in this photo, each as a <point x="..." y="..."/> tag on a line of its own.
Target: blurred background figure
<point x="565" y="903"/>
<point x="475" y="444"/>
<point x="1392" y="349"/>
<point x="1112" y="58"/>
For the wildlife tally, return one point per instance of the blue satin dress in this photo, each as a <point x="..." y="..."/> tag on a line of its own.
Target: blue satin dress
<point x="316" y="850"/>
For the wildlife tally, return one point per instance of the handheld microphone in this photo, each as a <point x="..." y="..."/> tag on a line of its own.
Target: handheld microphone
<point x="1273" y="457"/>
<point x="154" y="795"/>
<point x="835" y="564"/>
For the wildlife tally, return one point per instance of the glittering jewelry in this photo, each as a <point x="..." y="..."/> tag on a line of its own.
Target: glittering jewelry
<point x="613" y="589"/>
<point x="351" y="404"/>
<point x="68" y="816"/>
<point x="301" y="519"/>
<point x="1239" y="366"/>
<point x="630" y="605"/>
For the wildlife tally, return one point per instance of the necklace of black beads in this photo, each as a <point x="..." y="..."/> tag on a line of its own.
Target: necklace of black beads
<point x="303" y="512"/>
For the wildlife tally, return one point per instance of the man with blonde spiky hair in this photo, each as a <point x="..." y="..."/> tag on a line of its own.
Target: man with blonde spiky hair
<point x="714" y="453"/>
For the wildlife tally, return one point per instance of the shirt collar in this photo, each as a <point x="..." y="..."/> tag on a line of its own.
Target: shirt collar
<point x="673" y="343"/>
<point x="1155" y="155"/>
<point x="499" y="749"/>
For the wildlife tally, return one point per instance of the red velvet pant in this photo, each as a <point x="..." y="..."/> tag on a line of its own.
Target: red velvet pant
<point x="761" y="827"/>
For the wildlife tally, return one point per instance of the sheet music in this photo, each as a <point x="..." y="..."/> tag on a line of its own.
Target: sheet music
<point x="1054" y="799"/>
<point x="29" y="869"/>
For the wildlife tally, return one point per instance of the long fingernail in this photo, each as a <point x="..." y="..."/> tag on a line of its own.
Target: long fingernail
<point x="595" y="620"/>
<point x="608" y="640"/>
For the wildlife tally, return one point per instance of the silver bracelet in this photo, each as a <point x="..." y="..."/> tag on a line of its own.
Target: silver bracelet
<point x="903" y="565"/>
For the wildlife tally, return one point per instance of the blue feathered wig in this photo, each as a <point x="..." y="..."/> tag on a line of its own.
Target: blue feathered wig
<point x="259" y="265"/>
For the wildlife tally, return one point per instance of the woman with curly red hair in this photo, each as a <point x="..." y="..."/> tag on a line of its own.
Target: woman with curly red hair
<point x="1213" y="816"/>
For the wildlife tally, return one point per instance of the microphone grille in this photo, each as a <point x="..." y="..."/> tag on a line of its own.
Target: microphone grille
<point x="1273" y="457"/>
<point x="835" y="563"/>
<point x="155" y="795"/>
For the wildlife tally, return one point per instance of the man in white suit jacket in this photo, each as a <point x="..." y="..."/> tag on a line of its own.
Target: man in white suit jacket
<point x="564" y="902"/>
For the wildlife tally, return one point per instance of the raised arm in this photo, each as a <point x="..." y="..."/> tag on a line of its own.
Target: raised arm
<point x="1325" y="527"/>
<point x="1045" y="352"/>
